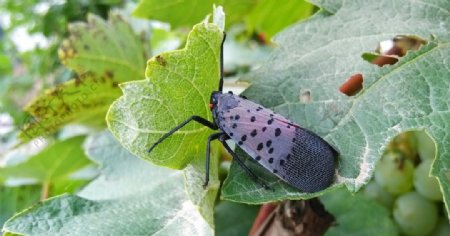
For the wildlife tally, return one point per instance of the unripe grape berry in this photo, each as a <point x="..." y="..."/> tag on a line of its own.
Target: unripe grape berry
<point x="442" y="228"/>
<point x="377" y="193"/>
<point x="394" y="173"/>
<point x="414" y="214"/>
<point x="425" y="185"/>
<point x="425" y="145"/>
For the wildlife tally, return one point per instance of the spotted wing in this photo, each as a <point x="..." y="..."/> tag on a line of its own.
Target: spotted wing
<point x="294" y="154"/>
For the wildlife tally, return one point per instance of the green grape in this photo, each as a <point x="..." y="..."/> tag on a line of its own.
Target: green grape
<point x="425" y="185"/>
<point x="442" y="228"/>
<point x="414" y="214"/>
<point x="377" y="193"/>
<point x="425" y="145"/>
<point x="394" y="173"/>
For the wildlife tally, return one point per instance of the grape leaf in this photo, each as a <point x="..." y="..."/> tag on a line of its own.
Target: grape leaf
<point x="352" y="218"/>
<point x="178" y="85"/>
<point x="316" y="56"/>
<point x="103" y="54"/>
<point x="140" y="199"/>
<point x="175" y="11"/>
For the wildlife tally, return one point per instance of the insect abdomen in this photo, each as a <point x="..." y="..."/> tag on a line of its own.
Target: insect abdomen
<point x="311" y="165"/>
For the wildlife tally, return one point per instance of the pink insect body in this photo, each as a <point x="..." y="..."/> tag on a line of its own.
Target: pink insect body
<point x="294" y="154"/>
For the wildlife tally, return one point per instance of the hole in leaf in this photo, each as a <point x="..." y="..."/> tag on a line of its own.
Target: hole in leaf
<point x="305" y="96"/>
<point x="353" y="85"/>
<point x="389" y="51"/>
<point x="404" y="168"/>
<point x="406" y="144"/>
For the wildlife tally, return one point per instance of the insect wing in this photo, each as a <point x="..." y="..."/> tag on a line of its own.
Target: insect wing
<point x="296" y="155"/>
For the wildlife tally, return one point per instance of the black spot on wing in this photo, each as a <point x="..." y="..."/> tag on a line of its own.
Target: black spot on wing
<point x="260" y="146"/>
<point x="277" y="132"/>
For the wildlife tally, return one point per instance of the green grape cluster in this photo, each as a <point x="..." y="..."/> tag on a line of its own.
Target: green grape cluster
<point x="402" y="183"/>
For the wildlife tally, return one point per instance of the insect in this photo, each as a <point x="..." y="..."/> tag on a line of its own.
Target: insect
<point x="291" y="152"/>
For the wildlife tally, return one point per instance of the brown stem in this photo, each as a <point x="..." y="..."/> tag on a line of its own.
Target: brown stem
<point x="297" y="218"/>
<point x="264" y="212"/>
<point x="45" y="190"/>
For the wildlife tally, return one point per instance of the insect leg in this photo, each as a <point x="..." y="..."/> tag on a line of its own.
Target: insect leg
<point x="198" y="119"/>
<point x="208" y="154"/>
<point x="252" y="175"/>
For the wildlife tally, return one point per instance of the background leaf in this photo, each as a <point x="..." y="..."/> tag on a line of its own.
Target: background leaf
<point x="234" y="218"/>
<point x="102" y="47"/>
<point x="266" y="16"/>
<point x="179" y="85"/>
<point x="175" y="11"/>
<point x="103" y="54"/>
<point x="56" y="163"/>
<point x="270" y="17"/>
<point x="315" y="57"/>
<point x="121" y="200"/>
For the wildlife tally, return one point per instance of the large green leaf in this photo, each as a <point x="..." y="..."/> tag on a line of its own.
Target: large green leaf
<point x="356" y="215"/>
<point x="140" y="199"/>
<point x="316" y="56"/>
<point x="178" y="85"/>
<point x="186" y="12"/>
<point x="103" y="54"/>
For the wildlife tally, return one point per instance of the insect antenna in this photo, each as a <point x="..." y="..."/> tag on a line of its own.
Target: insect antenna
<point x="221" y="63"/>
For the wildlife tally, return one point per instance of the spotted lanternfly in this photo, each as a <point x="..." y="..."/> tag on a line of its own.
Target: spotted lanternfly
<point x="293" y="153"/>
